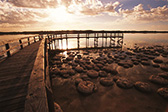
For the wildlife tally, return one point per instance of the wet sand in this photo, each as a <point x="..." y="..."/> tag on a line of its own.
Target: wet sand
<point x="111" y="98"/>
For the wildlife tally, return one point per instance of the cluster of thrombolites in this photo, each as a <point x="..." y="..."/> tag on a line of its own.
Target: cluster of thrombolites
<point x="98" y="65"/>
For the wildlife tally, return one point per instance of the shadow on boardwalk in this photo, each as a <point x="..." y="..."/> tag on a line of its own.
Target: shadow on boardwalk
<point x="14" y="77"/>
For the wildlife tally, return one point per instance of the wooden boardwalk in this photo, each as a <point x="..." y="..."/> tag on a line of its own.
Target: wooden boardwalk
<point x="14" y="78"/>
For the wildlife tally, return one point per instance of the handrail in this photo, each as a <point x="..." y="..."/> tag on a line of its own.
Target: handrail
<point x="9" y="41"/>
<point x="39" y="96"/>
<point x="16" y="46"/>
<point x="28" y="41"/>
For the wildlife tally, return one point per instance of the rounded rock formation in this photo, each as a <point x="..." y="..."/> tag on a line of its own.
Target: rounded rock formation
<point x="158" y="79"/>
<point x="106" y="81"/>
<point x="86" y="87"/>
<point x="157" y="61"/>
<point x="92" y="74"/>
<point x="163" y="92"/>
<point x="79" y="69"/>
<point x="102" y="74"/>
<point x="77" y="81"/>
<point x="143" y="87"/>
<point x="109" y="69"/>
<point x="124" y="83"/>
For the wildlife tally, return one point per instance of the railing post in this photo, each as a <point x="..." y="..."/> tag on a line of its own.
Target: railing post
<point x="66" y="41"/>
<point x="106" y="41"/>
<point x="102" y="39"/>
<point x="52" y="42"/>
<point x="61" y="42"/>
<point x="7" y="48"/>
<point x="49" y="42"/>
<point x="28" y="41"/>
<point x="34" y="39"/>
<point x="95" y="40"/>
<point x="110" y="39"/>
<point x="21" y="46"/>
<point x="39" y="37"/>
<point x="78" y="41"/>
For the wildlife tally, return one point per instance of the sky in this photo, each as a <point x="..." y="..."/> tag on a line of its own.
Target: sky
<point x="46" y="15"/>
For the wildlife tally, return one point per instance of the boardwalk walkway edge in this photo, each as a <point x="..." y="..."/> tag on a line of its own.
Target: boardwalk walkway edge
<point x="36" y="99"/>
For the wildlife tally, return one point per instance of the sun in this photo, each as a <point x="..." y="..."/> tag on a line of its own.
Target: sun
<point x="59" y="14"/>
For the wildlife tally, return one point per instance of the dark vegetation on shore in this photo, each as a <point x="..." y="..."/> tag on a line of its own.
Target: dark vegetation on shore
<point x="76" y="32"/>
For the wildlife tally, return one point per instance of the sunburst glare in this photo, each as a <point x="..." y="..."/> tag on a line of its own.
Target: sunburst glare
<point x="59" y="14"/>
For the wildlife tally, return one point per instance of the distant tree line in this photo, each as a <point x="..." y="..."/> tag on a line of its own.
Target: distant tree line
<point x="76" y="32"/>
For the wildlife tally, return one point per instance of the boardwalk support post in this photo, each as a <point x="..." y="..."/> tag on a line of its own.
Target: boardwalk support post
<point x="7" y="48"/>
<point x="21" y="45"/>
<point x="66" y="41"/>
<point x="106" y="40"/>
<point x="102" y="39"/>
<point x="95" y="40"/>
<point x="78" y="41"/>
<point x="28" y="41"/>
<point x="34" y="39"/>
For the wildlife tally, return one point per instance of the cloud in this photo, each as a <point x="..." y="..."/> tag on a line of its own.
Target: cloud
<point x="14" y="15"/>
<point x="33" y="3"/>
<point x="90" y="7"/>
<point x="23" y="13"/>
<point x="138" y="13"/>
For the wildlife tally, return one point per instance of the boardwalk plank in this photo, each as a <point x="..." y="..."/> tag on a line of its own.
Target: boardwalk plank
<point x="14" y="77"/>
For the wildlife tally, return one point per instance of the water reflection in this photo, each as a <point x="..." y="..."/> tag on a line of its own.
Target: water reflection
<point x="81" y="43"/>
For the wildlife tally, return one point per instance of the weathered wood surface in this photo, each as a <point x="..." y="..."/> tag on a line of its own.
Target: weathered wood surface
<point x="36" y="99"/>
<point x="3" y="42"/>
<point x="14" y="78"/>
<point x="58" y="38"/>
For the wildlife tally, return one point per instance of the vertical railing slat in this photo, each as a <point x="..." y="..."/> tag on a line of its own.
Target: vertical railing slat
<point x="7" y="48"/>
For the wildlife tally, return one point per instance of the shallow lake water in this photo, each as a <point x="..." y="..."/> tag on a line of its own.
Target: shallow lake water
<point x="113" y="98"/>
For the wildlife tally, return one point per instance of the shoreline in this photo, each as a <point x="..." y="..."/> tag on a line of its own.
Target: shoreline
<point x="78" y="31"/>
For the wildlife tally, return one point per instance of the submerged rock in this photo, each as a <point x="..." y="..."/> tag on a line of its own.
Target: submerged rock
<point x="65" y="75"/>
<point x="86" y="87"/>
<point x="77" y="81"/>
<point x="164" y="67"/>
<point x="58" y="62"/>
<point x="85" y="78"/>
<point x="156" y="65"/>
<point x="157" y="61"/>
<point x="70" y="58"/>
<point x="143" y="87"/>
<point x="89" y="67"/>
<point x="164" y="75"/>
<point x="124" y="83"/>
<point x="163" y="92"/>
<point x="102" y="74"/>
<point x="79" y="56"/>
<point x="79" y="69"/>
<point x="71" y="72"/>
<point x="92" y="74"/>
<point x="58" y="58"/>
<point x="55" y="71"/>
<point x="107" y="81"/>
<point x="109" y="69"/>
<point x="151" y="57"/>
<point x="158" y="79"/>
<point x="99" y="65"/>
<point x="57" y="108"/>
<point x="146" y="63"/>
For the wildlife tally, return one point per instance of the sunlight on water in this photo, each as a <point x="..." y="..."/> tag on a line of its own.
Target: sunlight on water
<point x="129" y="41"/>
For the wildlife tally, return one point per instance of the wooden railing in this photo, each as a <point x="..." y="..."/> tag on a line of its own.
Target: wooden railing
<point x="39" y="96"/>
<point x="107" y="39"/>
<point x="21" y="43"/>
